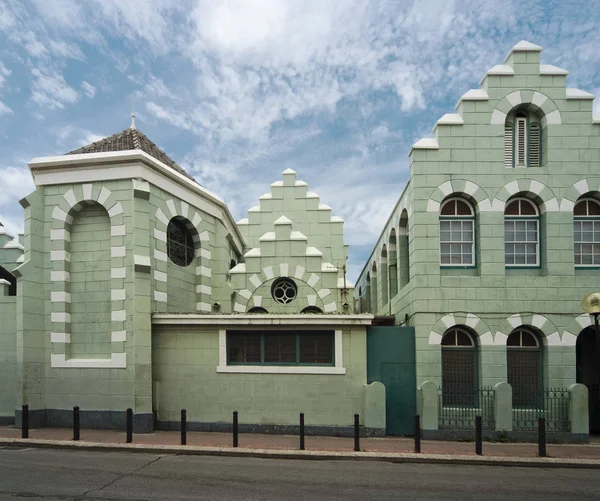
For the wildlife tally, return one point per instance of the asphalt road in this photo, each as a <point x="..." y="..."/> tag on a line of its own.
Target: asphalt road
<point x="64" y="475"/>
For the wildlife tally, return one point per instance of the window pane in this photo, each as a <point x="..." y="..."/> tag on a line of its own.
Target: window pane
<point x="316" y="348"/>
<point x="280" y="348"/>
<point x="449" y="208"/>
<point x="512" y="209"/>
<point x="462" y="209"/>
<point x="444" y="236"/>
<point x="243" y="347"/>
<point x="593" y="208"/>
<point x="527" y="208"/>
<point x="580" y="208"/>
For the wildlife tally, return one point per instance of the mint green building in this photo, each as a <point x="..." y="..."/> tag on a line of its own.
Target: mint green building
<point x="133" y="287"/>
<point x="489" y="251"/>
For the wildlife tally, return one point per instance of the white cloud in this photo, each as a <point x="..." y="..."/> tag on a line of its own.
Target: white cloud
<point x="16" y="183"/>
<point x="88" y="88"/>
<point x="49" y="89"/>
<point x="4" y="110"/>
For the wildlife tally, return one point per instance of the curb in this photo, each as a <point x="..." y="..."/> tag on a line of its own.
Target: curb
<point x="391" y="457"/>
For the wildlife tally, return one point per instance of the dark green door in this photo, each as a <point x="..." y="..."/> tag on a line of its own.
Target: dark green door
<point x="391" y="360"/>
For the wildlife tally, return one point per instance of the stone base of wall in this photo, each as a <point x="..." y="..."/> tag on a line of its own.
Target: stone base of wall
<point x="274" y="429"/>
<point x="7" y="420"/>
<point x="96" y="420"/>
<point x="552" y="437"/>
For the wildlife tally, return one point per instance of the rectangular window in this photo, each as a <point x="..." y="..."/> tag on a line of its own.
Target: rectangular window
<point x="586" y="241"/>
<point x="280" y="348"/>
<point x="456" y="242"/>
<point x="521" y="242"/>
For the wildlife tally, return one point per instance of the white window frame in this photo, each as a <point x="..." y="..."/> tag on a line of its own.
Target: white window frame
<point x="462" y="219"/>
<point x="595" y="220"/>
<point x="527" y="218"/>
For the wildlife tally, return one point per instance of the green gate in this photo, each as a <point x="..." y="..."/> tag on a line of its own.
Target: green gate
<point x="391" y="360"/>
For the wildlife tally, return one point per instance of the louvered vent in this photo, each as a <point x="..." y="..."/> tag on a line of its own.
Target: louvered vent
<point x="521" y="136"/>
<point x="508" y="145"/>
<point x="534" y="145"/>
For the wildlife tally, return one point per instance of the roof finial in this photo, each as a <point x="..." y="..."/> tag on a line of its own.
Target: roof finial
<point x="132" y="126"/>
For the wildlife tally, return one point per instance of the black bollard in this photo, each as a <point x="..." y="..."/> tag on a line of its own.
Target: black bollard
<point x="129" y="424"/>
<point x="75" y="423"/>
<point x="417" y="434"/>
<point x="235" y="428"/>
<point x="542" y="437"/>
<point x="183" y="427"/>
<point x="25" y="421"/>
<point x="302" y="431"/>
<point x="356" y="433"/>
<point x="478" y="436"/>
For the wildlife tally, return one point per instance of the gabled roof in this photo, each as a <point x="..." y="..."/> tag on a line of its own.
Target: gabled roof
<point x="130" y="139"/>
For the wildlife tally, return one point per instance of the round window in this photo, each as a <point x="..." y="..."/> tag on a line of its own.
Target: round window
<point x="180" y="242"/>
<point x="284" y="290"/>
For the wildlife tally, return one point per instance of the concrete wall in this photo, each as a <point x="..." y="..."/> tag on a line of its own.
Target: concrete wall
<point x="185" y="360"/>
<point x="8" y="355"/>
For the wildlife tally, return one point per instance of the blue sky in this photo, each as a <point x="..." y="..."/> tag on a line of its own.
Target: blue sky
<point x="236" y="91"/>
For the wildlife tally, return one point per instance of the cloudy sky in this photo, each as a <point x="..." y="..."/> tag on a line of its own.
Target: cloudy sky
<point x="236" y="91"/>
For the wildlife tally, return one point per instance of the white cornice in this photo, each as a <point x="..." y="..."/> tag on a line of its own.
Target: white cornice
<point x="91" y="167"/>
<point x="257" y="320"/>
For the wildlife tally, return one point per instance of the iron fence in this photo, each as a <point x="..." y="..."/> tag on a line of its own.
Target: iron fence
<point x="551" y="404"/>
<point x="457" y="411"/>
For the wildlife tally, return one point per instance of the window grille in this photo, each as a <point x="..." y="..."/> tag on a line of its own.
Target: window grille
<point x="180" y="242"/>
<point x="280" y="348"/>
<point x="459" y="368"/>
<point x="534" y="145"/>
<point x="521" y="142"/>
<point x="586" y="237"/>
<point x="457" y="235"/>
<point x="524" y="368"/>
<point x="284" y="290"/>
<point x="521" y="233"/>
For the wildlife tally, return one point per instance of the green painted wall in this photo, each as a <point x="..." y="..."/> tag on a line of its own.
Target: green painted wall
<point x="184" y="367"/>
<point x="8" y="359"/>
<point x="90" y="284"/>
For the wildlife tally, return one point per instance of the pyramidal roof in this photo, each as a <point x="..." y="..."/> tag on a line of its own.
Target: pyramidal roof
<point x="130" y="139"/>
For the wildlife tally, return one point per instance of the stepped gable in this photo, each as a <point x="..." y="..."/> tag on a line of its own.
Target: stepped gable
<point x="131" y="139"/>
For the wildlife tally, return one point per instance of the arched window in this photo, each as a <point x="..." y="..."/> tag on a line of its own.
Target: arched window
<point x="374" y="288"/>
<point x="393" y="264"/>
<point x="586" y="226"/>
<point x="403" y="251"/>
<point x="312" y="309"/>
<point x="257" y="309"/>
<point x="180" y="241"/>
<point x="384" y="275"/>
<point x="457" y="233"/>
<point x="459" y="367"/>
<point x="367" y="296"/>
<point x="521" y="233"/>
<point x="522" y="140"/>
<point x="524" y="368"/>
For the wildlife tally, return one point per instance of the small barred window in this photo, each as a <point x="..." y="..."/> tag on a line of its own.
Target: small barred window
<point x="180" y="242"/>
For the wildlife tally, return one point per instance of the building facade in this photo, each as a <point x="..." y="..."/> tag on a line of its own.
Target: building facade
<point x="136" y="289"/>
<point x="493" y="244"/>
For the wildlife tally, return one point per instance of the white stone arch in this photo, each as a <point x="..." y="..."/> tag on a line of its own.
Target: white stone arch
<point x="470" y="320"/>
<point x="533" y="189"/>
<point x="574" y="328"/>
<point x="536" y="101"/>
<point x="72" y="202"/>
<point x="298" y="272"/>
<point x="541" y="324"/>
<point x="577" y="190"/>
<point x="474" y="193"/>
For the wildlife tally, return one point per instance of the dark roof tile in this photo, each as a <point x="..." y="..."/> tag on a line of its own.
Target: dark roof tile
<point x="130" y="139"/>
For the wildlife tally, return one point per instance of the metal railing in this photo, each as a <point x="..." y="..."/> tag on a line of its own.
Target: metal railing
<point x="551" y="404"/>
<point x="457" y="411"/>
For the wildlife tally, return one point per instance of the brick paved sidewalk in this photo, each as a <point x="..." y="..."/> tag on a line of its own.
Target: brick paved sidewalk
<point x="289" y="442"/>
